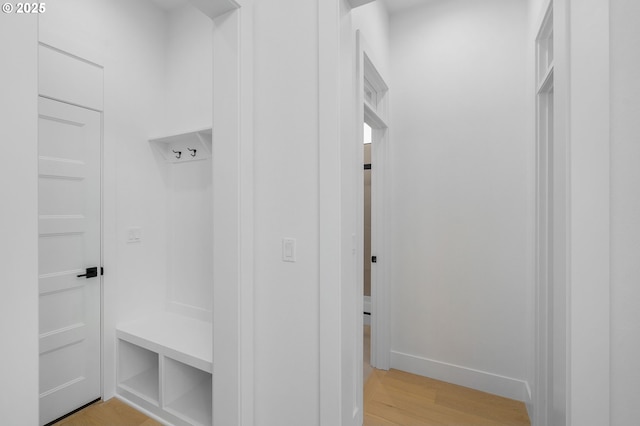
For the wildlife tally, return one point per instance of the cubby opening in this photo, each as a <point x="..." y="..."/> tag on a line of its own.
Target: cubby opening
<point x="187" y="393"/>
<point x="138" y="371"/>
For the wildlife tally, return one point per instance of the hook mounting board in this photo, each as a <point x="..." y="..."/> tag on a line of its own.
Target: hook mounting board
<point x="180" y="147"/>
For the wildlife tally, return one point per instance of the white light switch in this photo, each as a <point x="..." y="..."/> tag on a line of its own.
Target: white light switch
<point x="288" y="250"/>
<point x="134" y="234"/>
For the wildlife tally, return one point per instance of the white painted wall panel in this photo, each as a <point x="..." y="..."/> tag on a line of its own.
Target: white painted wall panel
<point x="462" y="209"/>
<point x="189" y="106"/>
<point x="189" y="66"/>
<point x="286" y="205"/>
<point x="70" y="79"/>
<point x="589" y="313"/>
<point x="129" y="40"/>
<point x="625" y="212"/>
<point x="18" y="224"/>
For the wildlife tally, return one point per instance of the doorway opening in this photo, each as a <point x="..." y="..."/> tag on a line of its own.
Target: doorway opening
<point x="372" y="104"/>
<point x="366" y="264"/>
<point x="550" y="238"/>
<point x="69" y="233"/>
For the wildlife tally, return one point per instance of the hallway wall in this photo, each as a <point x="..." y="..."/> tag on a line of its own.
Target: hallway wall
<point x="286" y="202"/>
<point x="462" y="245"/>
<point x="625" y="212"/>
<point x="19" y="219"/>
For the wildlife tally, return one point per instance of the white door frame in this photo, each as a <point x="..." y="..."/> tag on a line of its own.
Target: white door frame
<point x="374" y="111"/>
<point x="582" y="120"/>
<point x="545" y="224"/>
<point x="232" y="157"/>
<point x="84" y="90"/>
<point x="334" y="381"/>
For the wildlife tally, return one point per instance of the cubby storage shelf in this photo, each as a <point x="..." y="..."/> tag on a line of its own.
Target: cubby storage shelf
<point x="144" y="385"/>
<point x="181" y="338"/>
<point x="139" y="374"/>
<point x="187" y="393"/>
<point x="164" y="367"/>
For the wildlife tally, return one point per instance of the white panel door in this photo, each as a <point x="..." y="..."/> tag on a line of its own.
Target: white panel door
<point x="69" y="145"/>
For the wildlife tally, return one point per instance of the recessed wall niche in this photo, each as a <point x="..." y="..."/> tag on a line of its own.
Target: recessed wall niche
<point x="187" y="157"/>
<point x="164" y="354"/>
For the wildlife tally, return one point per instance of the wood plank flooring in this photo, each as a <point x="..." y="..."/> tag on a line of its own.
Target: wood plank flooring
<point x="390" y="398"/>
<point x="366" y="346"/>
<point x="397" y="398"/>
<point x="110" y="413"/>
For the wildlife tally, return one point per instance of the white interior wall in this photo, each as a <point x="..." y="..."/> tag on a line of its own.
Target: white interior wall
<point x="19" y="220"/>
<point x="152" y="75"/>
<point x="189" y="68"/>
<point x="190" y="271"/>
<point x="625" y="212"/>
<point x="586" y="88"/>
<point x="536" y="9"/>
<point x="189" y="106"/>
<point x="372" y="20"/>
<point x="462" y="209"/>
<point x="285" y="102"/>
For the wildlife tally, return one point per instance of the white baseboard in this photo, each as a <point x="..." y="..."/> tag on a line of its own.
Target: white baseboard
<point x="189" y="311"/>
<point x="481" y="380"/>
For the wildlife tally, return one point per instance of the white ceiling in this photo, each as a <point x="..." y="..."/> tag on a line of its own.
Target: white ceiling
<point x="169" y="4"/>
<point x="394" y="6"/>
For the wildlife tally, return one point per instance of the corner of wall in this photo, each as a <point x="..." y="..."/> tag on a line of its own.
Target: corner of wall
<point x="19" y="225"/>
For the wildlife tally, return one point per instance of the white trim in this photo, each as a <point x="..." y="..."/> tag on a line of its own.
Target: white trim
<point x="588" y="330"/>
<point x="545" y="188"/>
<point x="485" y="381"/>
<point x="141" y="409"/>
<point x="366" y="302"/>
<point x="233" y="186"/>
<point x="366" y="310"/>
<point x="541" y="15"/>
<point x="366" y="319"/>
<point x="329" y="226"/>
<point x="246" y="189"/>
<point x="189" y="310"/>
<point x="375" y="117"/>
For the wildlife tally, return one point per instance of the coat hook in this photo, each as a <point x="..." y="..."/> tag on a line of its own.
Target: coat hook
<point x="193" y="152"/>
<point x="178" y="153"/>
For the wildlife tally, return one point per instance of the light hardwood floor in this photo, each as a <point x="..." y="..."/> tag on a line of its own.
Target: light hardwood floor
<point x="110" y="413"/>
<point x="366" y="346"/>
<point x="390" y="398"/>
<point x="397" y="398"/>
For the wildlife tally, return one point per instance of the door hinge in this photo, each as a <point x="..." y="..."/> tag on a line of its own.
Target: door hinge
<point x="374" y="259"/>
<point x="101" y="270"/>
